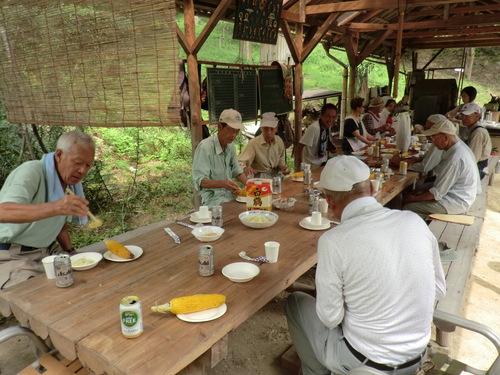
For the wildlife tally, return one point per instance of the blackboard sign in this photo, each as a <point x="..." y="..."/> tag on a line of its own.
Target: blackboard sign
<point x="257" y="20"/>
<point x="232" y="88"/>
<point x="271" y="92"/>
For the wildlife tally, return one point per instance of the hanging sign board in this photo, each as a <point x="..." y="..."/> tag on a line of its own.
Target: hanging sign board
<point x="257" y="20"/>
<point x="232" y="88"/>
<point x="272" y="92"/>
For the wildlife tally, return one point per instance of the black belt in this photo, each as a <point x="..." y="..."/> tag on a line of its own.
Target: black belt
<point x="380" y="366"/>
<point x="6" y="246"/>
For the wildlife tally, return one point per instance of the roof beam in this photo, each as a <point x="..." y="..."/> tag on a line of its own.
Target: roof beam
<point x="456" y="38"/>
<point x="368" y="50"/>
<point x="346" y="6"/>
<point x="287" y="33"/>
<point x="212" y="22"/>
<point x="462" y="44"/>
<point x="434" y="24"/>
<point x="318" y="35"/>
<point x="460" y="31"/>
<point x="456" y="10"/>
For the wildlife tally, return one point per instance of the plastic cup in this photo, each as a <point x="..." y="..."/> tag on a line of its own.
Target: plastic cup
<point x="323" y="206"/>
<point x="316" y="218"/>
<point x="272" y="250"/>
<point x="203" y="212"/>
<point x="369" y="150"/>
<point x="48" y="265"/>
<point x="376" y="185"/>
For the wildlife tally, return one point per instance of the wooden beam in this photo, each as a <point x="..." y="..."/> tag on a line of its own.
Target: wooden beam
<point x="289" y="16"/>
<point x="368" y="50"/>
<point x="433" y="58"/>
<point x="465" y="43"/>
<point x="439" y="33"/>
<point x="302" y="11"/>
<point x="351" y="49"/>
<point x="288" y="3"/>
<point x="212" y="22"/>
<point x="320" y="33"/>
<point x="447" y="39"/>
<point x="181" y="38"/>
<point x="399" y="43"/>
<point x="297" y="90"/>
<point x="456" y="10"/>
<point x="285" y="29"/>
<point x="346" y="6"/>
<point x="434" y="24"/>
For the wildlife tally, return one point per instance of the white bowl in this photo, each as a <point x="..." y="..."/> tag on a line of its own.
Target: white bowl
<point x="258" y="219"/>
<point x="88" y="260"/>
<point x="358" y="153"/>
<point x="207" y="233"/>
<point x="240" y="272"/>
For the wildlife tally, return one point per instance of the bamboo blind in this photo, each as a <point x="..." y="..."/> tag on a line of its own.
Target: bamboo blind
<point x="108" y="63"/>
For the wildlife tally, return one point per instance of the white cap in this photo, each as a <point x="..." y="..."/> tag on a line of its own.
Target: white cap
<point x="437" y="118"/>
<point x="470" y="108"/>
<point x="232" y="118"/>
<point x="342" y="172"/>
<point x="445" y="127"/>
<point x="269" y="120"/>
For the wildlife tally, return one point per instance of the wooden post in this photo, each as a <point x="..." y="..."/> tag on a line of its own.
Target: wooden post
<point x="352" y="81"/>
<point x="193" y="77"/>
<point x="398" y="54"/>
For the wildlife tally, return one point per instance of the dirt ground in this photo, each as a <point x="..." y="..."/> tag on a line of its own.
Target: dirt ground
<point x="256" y="346"/>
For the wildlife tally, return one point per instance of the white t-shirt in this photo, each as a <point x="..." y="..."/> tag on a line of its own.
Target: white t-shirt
<point x="310" y="140"/>
<point x="379" y="274"/>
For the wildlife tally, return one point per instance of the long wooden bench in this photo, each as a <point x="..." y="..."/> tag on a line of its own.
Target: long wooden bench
<point x="463" y="239"/>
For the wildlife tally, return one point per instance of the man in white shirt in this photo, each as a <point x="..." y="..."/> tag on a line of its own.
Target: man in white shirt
<point x="478" y="138"/>
<point x="456" y="184"/>
<point x="378" y="277"/>
<point x="313" y="145"/>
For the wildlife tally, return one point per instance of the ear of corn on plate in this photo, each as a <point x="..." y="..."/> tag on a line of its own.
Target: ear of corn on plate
<point x="189" y="304"/>
<point x="118" y="249"/>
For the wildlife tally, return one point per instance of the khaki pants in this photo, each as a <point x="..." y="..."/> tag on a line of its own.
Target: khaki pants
<point x="17" y="266"/>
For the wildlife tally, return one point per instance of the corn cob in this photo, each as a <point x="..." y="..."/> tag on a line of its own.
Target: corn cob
<point x="118" y="249"/>
<point x="189" y="304"/>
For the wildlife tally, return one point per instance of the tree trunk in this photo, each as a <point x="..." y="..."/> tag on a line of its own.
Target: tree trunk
<point x="245" y="52"/>
<point x="470" y="63"/>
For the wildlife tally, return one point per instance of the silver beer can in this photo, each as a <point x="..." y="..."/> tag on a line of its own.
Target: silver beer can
<point x="131" y="317"/>
<point x="63" y="271"/>
<point x="217" y="219"/>
<point x="206" y="260"/>
<point x="277" y="185"/>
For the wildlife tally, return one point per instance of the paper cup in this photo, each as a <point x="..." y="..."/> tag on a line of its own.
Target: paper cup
<point x="316" y="218"/>
<point x="48" y="265"/>
<point x="272" y="250"/>
<point x="203" y="212"/>
<point x="376" y="185"/>
<point x="323" y="206"/>
<point x="369" y="150"/>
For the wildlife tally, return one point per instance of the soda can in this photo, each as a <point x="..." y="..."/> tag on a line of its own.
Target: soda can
<point x="403" y="167"/>
<point x="206" y="260"/>
<point x="277" y="185"/>
<point x="217" y="219"/>
<point x="131" y="317"/>
<point x="63" y="271"/>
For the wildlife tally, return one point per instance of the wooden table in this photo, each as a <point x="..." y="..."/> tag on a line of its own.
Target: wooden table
<point x="83" y="320"/>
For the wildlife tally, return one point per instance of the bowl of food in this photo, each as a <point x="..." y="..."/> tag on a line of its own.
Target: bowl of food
<point x="285" y="204"/>
<point x="85" y="261"/>
<point x="207" y="233"/>
<point x="258" y="219"/>
<point x="240" y="272"/>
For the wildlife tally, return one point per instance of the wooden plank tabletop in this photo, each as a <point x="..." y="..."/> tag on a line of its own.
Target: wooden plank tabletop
<point x="83" y="320"/>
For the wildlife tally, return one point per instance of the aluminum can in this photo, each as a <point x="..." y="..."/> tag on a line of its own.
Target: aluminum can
<point x="277" y="185"/>
<point x="131" y="317"/>
<point x="313" y="203"/>
<point x="403" y="167"/>
<point x="63" y="271"/>
<point x="206" y="260"/>
<point x="217" y="219"/>
<point x="307" y="174"/>
<point x="376" y="151"/>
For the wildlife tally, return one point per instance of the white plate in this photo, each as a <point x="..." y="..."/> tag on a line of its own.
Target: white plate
<point x="306" y="224"/>
<point x="196" y="219"/>
<point x="241" y="199"/>
<point x="358" y="153"/>
<point x="298" y="179"/>
<point x="205" y="315"/>
<point x="136" y="250"/>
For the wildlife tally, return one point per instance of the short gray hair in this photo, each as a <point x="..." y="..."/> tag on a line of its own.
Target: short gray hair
<point x="359" y="189"/>
<point x="67" y="140"/>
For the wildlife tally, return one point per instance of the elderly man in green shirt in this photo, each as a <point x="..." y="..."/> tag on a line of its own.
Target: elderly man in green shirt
<point x="34" y="207"/>
<point x="215" y="164"/>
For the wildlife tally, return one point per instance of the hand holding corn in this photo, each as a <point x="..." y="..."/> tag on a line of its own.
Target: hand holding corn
<point x="189" y="304"/>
